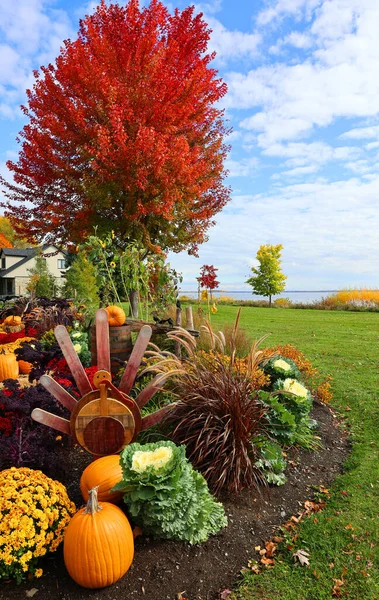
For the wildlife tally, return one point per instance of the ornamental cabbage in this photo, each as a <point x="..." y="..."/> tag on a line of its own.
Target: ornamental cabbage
<point x="166" y="496"/>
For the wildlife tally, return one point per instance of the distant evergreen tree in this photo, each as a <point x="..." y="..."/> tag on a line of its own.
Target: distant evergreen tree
<point x="81" y="282"/>
<point x="42" y="282"/>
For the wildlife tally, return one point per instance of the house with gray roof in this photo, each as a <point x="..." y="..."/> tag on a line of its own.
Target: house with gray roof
<point x="15" y="264"/>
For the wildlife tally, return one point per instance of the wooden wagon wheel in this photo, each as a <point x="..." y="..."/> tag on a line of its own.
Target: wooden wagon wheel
<point x="106" y="419"/>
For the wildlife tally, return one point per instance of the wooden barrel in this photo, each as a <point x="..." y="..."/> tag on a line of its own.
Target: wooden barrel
<point x="121" y="346"/>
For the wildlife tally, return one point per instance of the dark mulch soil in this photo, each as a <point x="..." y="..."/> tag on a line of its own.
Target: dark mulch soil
<point x="163" y="569"/>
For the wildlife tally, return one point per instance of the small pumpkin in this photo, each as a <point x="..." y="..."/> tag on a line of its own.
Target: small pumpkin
<point x="24" y="367"/>
<point x="13" y="324"/>
<point x="104" y="473"/>
<point x="8" y="366"/>
<point x="116" y="316"/>
<point x="98" y="546"/>
<point x="12" y="320"/>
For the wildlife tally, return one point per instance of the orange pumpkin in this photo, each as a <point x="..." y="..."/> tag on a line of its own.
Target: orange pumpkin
<point x="8" y="367"/>
<point x="116" y="316"/>
<point x="104" y="473"/>
<point x="98" y="545"/>
<point x="12" y="320"/>
<point x="24" y="367"/>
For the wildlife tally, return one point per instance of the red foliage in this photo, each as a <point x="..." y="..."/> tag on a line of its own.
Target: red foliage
<point x="12" y="337"/>
<point x="5" y="421"/>
<point x="208" y="276"/>
<point x="60" y="366"/>
<point x="123" y="132"/>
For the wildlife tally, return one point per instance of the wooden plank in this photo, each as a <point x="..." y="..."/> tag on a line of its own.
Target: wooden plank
<point x="102" y="340"/>
<point x="189" y="318"/>
<point x="58" y="392"/>
<point x="72" y="359"/>
<point x="178" y="323"/>
<point x="157" y="329"/>
<point x="135" y="359"/>
<point x="50" y="420"/>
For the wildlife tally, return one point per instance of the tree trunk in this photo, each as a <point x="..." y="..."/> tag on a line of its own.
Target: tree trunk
<point x="133" y="302"/>
<point x="269" y="301"/>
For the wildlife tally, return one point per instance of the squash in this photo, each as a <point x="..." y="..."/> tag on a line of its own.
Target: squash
<point x="12" y="320"/>
<point x="98" y="545"/>
<point x="24" y="367"/>
<point x="8" y="366"/>
<point x="13" y="324"/>
<point x="104" y="473"/>
<point x="116" y="316"/>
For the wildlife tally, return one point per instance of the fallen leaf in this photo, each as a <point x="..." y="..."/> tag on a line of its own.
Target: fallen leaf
<point x="336" y="591"/>
<point x="225" y="594"/>
<point x="257" y="548"/>
<point x="349" y="526"/>
<point x="137" y="531"/>
<point x="254" y="566"/>
<point x="295" y="519"/>
<point x="323" y="489"/>
<point x="316" y="574"/>
<point x="31" y="593"/>
<point x="344" y="493"/>
<point x="302" y="557"/>
<point x="267" y="561"/>
<point x="331" y="565"/>
<point x="277" y="539"/>
<point x="270" y="549"/>
<point x="179" y="596"/>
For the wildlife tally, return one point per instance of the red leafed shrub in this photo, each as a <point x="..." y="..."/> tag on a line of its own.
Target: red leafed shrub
<point x="217" y="418"/>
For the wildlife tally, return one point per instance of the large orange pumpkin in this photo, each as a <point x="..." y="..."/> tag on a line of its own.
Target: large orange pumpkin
<point x="104" y="473"/>
<point x="8" y="367"/>
<point x="116" y="316"/>
<point x="98" y="545"/>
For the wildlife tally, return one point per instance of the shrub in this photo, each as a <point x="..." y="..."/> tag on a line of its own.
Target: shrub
<point x="34" y="513"/>
<point x="165" y="496"/>
<point x="41" y="282"/>
<point x="81" y="282"/>
<point x="271" y="463"/>
<point x="217" y="417"/>
<point x="29" y="444"/>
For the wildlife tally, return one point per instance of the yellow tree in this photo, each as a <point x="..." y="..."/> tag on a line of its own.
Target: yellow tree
<point x="268" y="279"/>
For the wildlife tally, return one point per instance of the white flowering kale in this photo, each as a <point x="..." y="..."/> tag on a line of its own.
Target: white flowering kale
<point x="279" y="367"/>
<point x="166" y="496"/>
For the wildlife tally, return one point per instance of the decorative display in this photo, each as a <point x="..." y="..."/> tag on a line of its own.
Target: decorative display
<point x="104" y="473"/>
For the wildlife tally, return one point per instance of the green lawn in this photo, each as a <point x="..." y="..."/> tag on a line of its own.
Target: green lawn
<point x="343" y="544"/>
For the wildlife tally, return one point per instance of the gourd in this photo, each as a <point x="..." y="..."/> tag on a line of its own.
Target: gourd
<point x="8" y="366"/>
<point x="13" y="324"/>
<point x="98" y="545"/>
<point x="104" y="473"/>
<point x="116" y="316"/>
<point x="24" y="367"/>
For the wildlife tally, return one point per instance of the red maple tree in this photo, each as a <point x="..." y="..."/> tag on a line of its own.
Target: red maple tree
<point x="208" y="278"/>
<point x="123" y="133"/>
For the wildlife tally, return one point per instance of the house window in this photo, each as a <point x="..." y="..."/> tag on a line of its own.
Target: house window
<point x="61" y="263"/>
<point x="3" y="263"/>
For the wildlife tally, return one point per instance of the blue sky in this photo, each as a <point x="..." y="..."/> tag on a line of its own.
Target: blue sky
<point x="303" y="100"/>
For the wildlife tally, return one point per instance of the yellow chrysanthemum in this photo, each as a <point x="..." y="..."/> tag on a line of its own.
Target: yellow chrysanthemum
<point x="112" y="264"/>
<point x="156" y="459"/>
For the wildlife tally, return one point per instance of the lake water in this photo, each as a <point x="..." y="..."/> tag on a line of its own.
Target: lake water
<point x="294" y="296"/>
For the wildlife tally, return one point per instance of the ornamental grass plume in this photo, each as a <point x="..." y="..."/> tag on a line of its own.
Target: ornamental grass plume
<point x="34" y="513"/>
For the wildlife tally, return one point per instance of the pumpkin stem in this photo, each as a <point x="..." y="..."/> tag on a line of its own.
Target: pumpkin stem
<point x="93" y="505"/>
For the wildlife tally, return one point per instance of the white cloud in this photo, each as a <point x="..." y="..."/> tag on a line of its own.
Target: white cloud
<point x="335" y="82"/>
<point x="362" y="133"/>
<point x="242" y="167"/>
<point x="281" y="8"/>
<point x="231" y="44"/>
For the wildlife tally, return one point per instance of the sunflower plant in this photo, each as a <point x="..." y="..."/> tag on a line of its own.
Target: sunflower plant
<point x="34" y="513"/>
